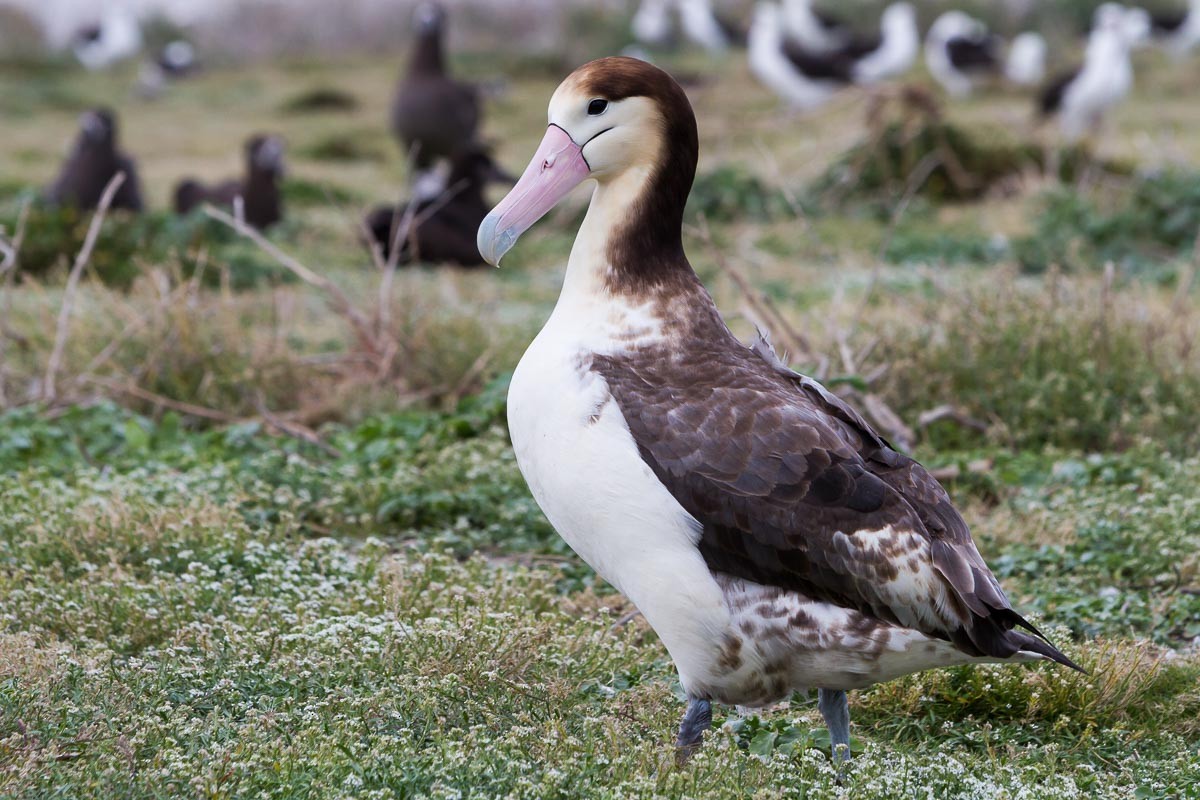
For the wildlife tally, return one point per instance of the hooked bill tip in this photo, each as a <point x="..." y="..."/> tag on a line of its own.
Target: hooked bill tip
<point x="493" y="243"/>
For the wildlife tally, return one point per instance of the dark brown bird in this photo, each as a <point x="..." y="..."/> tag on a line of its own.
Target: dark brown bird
<point x="441" y="229"/>
<point x="262" y="205"/>
<point x="432" y="112"/>
<point x="92" y="163"/>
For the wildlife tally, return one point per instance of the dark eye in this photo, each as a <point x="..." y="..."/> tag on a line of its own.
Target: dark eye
<point x="597" y="107"/>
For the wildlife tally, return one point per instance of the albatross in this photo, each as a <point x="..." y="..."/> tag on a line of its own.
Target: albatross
<point x="806" y="78"/>
<point x="958" y="48"/>
<point x="1083" y="96"/>
<point x="773" y="540"/>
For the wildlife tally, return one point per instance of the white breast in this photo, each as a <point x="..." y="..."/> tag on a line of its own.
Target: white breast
<point x="583" y="468"/>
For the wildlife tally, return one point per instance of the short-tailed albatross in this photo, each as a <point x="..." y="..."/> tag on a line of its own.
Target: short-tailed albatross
<point x="771" y="538"/>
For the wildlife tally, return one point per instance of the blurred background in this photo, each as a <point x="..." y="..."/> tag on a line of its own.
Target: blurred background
<point x="829" y="191"/>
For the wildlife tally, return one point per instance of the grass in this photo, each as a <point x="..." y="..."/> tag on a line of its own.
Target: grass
<point x="216" y="613"/>
<point x="254" y="548"/>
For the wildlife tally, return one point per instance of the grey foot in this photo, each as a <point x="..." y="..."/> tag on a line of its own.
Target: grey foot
<point x="835" y="708"/>
<point x="696" y="720"/>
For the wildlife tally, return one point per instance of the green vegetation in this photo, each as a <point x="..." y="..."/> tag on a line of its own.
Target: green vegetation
<point x="129" y="243"/>
<point x="267" y="536"/>
<point x="1137" y="226"/>
<point x="322" y="99"/>
<point x="220" y="612"/>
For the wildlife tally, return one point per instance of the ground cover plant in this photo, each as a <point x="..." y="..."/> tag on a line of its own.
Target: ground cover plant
<point x="262" y="532"/>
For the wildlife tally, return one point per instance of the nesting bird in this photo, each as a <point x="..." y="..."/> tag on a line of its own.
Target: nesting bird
<point x="1178" y="32"/>
<point x="440" y="230"/>
<point x="258" y="190"/>
<point x="815" y="32"/>
<point x="174" y="61"/>
<point x="434" y="116"/>
<point x="93" y="161"/>
<point x="899" y="41"/>
<point x="1083" y="96"/>
<point x="115" y="38"/>
<point x="1026" y="61"/>
<point x="653" y="26"/>
<point x="770" y="536"/>
<point x="958" y="50"/>
<point x="708" y="29"/>
<point x="805" y="79"/>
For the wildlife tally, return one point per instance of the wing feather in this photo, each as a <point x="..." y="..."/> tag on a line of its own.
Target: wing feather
<point x="792" y="488"/>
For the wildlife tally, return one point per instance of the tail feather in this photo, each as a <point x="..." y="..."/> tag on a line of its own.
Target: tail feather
<point x="1031" y="644"/>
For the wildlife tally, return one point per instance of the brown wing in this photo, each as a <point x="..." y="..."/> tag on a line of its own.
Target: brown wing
<point x="129" y="196"/>
<point x="794" y="489"/>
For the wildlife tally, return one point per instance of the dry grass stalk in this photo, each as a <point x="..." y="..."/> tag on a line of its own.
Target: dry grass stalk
<point x="191" y="409"/>
<point x="10" y="251"/>
<point x="383" y="315"/>
<point x="953" y="414"/>
<point x="49" y="392"/>
<point x="294" y="429"/>
<point x="340" y="301"/>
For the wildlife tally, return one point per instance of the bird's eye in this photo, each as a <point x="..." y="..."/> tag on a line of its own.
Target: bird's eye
<point x="597" y="107"/>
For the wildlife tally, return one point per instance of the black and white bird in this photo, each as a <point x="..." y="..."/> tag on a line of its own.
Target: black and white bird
<point x="175" y="60"/>
<point x="257" y="192"/>
<point x="1081" y="97"/>
<point x="898" y="44"/>
<point x="958" y="50"/>
<point x="715" y="32"/>
<point x="1177" y="32"/>
<point x="115" y="38"/>
<point x="772" y="539"/>
<point x="1025" y="64"/>
<point x="652" y="25"/>
<point x="654" y="21"/>
<point x="804" y="79"/>
<point x="93" y="161"/>
<point x="816" y="32"/>
<point x="1134" y="23"/>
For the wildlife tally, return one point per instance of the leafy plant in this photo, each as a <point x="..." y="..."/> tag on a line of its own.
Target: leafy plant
<point x="1138" y="226"/>
<point x="729" y="193"/>
<point x="319" y="100"/>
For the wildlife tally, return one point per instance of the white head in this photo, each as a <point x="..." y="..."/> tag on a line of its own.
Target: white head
<point x="1135" y="26"/>
<point x="1108" y="16"/>
<point x="898" y="17"/>
<point x="952" y="24"/>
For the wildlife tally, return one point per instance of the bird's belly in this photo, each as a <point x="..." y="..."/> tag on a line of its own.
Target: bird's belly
<point x="582" y="466"/>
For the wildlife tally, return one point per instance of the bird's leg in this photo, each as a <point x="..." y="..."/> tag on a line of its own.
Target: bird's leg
<point x="696" y="720"/>
<point x="835" y="708"/>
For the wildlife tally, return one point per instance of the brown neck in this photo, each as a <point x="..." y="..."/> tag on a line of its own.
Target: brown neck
<point x="427" y="55"/>
<point x="645" y="252"/>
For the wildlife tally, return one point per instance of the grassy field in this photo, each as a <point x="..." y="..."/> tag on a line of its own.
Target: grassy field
<point x="261" y="541"/>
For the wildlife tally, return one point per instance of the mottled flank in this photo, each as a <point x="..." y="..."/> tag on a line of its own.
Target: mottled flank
<point x="783" y="641"/>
